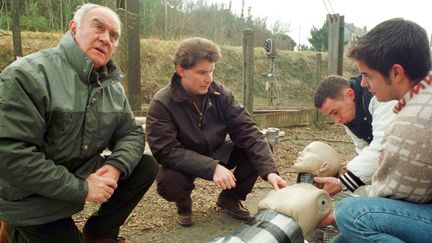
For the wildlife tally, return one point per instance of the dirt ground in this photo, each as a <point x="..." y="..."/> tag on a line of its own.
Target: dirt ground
<point x="153" y="220"/>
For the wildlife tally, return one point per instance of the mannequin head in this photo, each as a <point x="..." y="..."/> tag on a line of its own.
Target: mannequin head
<point x="318" y="158"/>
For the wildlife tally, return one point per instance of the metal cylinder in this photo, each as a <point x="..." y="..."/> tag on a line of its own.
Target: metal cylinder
<point x="272" y="134"/>
<point x="305" y="178"/>
<point x="266" y="226"/>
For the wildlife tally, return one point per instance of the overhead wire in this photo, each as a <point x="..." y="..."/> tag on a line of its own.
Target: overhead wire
<point x="329" y="12"/>
<point x="331" y="6"/>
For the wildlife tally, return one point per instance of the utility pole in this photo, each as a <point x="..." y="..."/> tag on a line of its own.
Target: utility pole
<point x="336" y="43"/>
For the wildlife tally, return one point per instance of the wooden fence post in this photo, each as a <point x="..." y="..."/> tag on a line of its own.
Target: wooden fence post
<point x="248" y="69"/>
<point x="318" y="77"/>
<point x="132" y="42"/>
<point x="16" y="29"/>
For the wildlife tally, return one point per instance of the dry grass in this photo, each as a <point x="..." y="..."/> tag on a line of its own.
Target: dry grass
<point x="296" y="74"/>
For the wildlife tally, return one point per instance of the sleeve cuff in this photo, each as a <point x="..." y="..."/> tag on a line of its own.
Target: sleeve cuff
<point x="351" y="181"/>
<point x="119" y="166"/>
<point x="264" y="177"/>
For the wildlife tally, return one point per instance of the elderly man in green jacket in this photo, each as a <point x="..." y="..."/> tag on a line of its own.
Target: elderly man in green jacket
<point x="59" y="109"/>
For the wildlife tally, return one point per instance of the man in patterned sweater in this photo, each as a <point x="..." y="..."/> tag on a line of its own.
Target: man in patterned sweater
<point x="394" y="59"/>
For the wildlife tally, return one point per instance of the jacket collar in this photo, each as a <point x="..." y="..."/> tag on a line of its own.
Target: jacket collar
<point x="179" y="94"/>
<point x="361" y="125"/>
<point x="424" y="84"/>
<point x="81" y="63"/>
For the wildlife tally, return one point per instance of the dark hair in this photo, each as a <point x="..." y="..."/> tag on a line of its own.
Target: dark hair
<point x="395" y="41"/>
<point x="193" y="49"/>
<point x="331" y="87"/>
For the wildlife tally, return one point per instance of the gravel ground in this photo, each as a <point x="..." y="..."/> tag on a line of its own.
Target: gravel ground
<point x="153" y="220"/>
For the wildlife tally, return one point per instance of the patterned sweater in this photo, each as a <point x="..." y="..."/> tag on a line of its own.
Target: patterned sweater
<point x="405" y="163"/>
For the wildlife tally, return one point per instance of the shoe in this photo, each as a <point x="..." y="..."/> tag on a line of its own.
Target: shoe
<point x="185" y="220"/>
<point x="233" y="207"/>
<point x="90" y="238"/>
<point x="184" y="210"/>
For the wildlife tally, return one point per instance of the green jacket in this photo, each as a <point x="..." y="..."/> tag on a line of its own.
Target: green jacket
<point x="55" y="120"/>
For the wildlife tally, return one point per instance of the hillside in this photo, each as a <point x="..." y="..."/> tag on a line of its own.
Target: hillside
<point x="295" y="73"/>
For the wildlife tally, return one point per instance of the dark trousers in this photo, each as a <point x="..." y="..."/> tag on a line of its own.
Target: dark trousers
<point x="175" y="186"/>
<point x="105" y="222"/>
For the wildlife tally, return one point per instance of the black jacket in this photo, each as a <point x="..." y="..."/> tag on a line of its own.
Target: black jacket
<point x="361" y="126"/>
<point x="182" y="140"/>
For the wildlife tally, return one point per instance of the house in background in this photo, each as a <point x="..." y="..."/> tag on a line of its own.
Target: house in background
<point x="352" y="33"/>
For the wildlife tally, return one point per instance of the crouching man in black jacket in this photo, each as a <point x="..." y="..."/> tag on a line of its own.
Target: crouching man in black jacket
<point x="187" y="125"/>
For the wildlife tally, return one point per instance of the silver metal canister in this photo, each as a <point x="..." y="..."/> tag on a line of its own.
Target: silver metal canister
<point x="272" y="134"/>
<point x="266" y="226"/>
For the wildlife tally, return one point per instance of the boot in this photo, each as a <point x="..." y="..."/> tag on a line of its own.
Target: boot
<point x="233" y="207"/>
<point x="184" y="210"/>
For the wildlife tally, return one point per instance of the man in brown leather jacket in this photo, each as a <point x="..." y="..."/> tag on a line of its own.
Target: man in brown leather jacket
<point x="187" y="126"/>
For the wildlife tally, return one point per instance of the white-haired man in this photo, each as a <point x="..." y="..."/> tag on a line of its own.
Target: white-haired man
<point x="60" y="108"/>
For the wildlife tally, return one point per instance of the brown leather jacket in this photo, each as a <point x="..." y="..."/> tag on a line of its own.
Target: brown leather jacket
<point x="181" y="139"/>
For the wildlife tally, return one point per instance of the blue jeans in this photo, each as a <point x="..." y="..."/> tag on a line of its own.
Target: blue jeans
<point x="375" y="219"/>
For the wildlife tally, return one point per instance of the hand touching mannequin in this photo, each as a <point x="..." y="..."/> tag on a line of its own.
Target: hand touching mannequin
<point x="304" y="202"/>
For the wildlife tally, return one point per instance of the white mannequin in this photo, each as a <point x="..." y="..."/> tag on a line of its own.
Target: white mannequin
<point x="304" y="202"/>
<point x="319" y="159"/>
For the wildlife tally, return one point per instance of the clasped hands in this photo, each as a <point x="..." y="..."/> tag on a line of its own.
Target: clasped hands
<point x="102" y="183"/>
